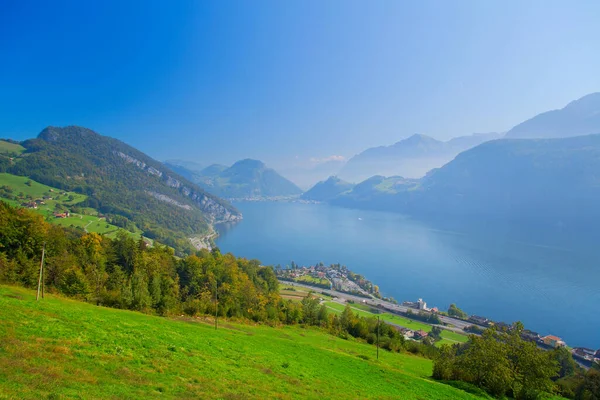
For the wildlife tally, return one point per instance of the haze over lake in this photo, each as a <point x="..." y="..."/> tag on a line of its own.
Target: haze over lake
<point x="546" y="278"/>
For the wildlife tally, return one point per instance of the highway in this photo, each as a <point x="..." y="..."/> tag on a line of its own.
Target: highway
<point x="452" y="324"/>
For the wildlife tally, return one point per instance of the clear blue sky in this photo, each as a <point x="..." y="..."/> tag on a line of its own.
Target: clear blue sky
<point x="275" y="80"/>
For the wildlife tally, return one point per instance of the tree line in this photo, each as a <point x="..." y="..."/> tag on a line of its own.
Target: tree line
<point x="129" y="274"/>
<point x="503" y="364"/>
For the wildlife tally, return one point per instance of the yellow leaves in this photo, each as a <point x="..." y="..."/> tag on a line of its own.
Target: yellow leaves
<point x="92" y="242"/>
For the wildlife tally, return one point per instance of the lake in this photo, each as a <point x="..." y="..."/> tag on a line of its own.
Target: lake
<point x="547" y="278"/>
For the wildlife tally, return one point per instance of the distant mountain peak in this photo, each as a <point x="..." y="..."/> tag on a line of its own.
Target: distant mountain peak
<point x="249" y="163"/>
<point x="327" y="190"/>
<point x="587" y="103"/>
<point x="417" y="138"/>
<point x="579" y="117"/>
<point x="412" y="157"/>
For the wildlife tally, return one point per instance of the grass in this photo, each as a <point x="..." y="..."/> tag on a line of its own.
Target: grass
<point x="448" y="337"/>
<point x="10" y="148"/>
<point x="297" y="293"/>
<point x="311" y="279"/>
<point x="59" y="348"/>
<point x="27" y="190"/>
<point x="34" y="190"/>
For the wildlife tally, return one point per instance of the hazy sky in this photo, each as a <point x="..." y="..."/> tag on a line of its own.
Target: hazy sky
<point x="286" y="81"/>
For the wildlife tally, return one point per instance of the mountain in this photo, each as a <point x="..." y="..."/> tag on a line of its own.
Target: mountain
<point x="412" y="157"/>
<point x="307" y="176"/>
<point x="377" y="193"/>
<point x="244" y="179"/>
<point x="121" y="182"/>
<point x="184" y="168"/>
<point x="580" y="117"/>
<point x="212" y="170"/>
<point x="556" y="180"/>
<point x="327" y="190"/>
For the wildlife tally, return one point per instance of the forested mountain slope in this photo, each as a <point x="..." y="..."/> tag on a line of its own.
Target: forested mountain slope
<point x="121" y="182"/>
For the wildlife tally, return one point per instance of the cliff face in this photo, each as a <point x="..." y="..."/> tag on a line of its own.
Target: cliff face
<point x="214" y="210"/>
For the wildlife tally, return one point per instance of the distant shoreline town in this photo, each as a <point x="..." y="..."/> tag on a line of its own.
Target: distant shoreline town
<point x="339" y="278"/>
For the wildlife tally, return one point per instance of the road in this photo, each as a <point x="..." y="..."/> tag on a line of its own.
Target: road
<point x="453" y="324"/>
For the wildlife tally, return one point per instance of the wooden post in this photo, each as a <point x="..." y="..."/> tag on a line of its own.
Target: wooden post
<point x="378" y="337"/>
<point x="216" y="304"/>
<point x="40" y="284"/>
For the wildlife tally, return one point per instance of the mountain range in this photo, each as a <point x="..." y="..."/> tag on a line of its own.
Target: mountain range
<point x="245" y="179"/>
<point x="556" y="180"/>
<point x="122" y="183"/>
<point x="412" y="157"/>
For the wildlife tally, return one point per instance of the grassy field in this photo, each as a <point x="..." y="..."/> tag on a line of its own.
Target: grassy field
<point x="63" y="349"/>
<point x="297" y="293"/>
<point x="10" y="148"/>
<point x="448" y="337"/>
<point x="312" y="280"/>
<point x="27" y="190"/>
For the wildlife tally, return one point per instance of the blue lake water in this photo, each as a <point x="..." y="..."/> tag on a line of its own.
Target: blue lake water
<point x="547" y="278"/>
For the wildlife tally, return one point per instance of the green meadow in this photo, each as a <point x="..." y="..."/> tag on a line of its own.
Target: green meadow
<point x="63" y="349"/>
<point x="10" y="148"/>
<point x="26" y="190"/>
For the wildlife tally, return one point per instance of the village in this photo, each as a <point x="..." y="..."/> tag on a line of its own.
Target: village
<point x="337" y="277"/>
<point x="340" y="279"/>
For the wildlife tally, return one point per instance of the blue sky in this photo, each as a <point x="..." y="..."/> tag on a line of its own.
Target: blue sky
<point x="287" y="81"/>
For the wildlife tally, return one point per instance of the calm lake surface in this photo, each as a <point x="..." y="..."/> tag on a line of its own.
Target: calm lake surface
<point x="547" y="278"/>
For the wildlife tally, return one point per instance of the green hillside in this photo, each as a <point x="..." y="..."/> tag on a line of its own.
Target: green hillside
<point x="59" y="349"/>
<point x="122" y="183"/>
<point x="19" y="190"/>
<point x="8" y="148"/>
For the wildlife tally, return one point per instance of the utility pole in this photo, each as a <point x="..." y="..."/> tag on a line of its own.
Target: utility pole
<point x="216" y="304"/>
<point x="40" y="280"/>
<point x="378" y="337"/>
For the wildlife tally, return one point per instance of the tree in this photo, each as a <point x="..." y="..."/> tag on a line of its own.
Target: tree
<point x="454" y="311"/>
<point x="564" y="359"/>
<point x="436" y="333"/>
<point x="589" y="389"/>
<point x="347" y="318"/>
<point x="532" y="368"/>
